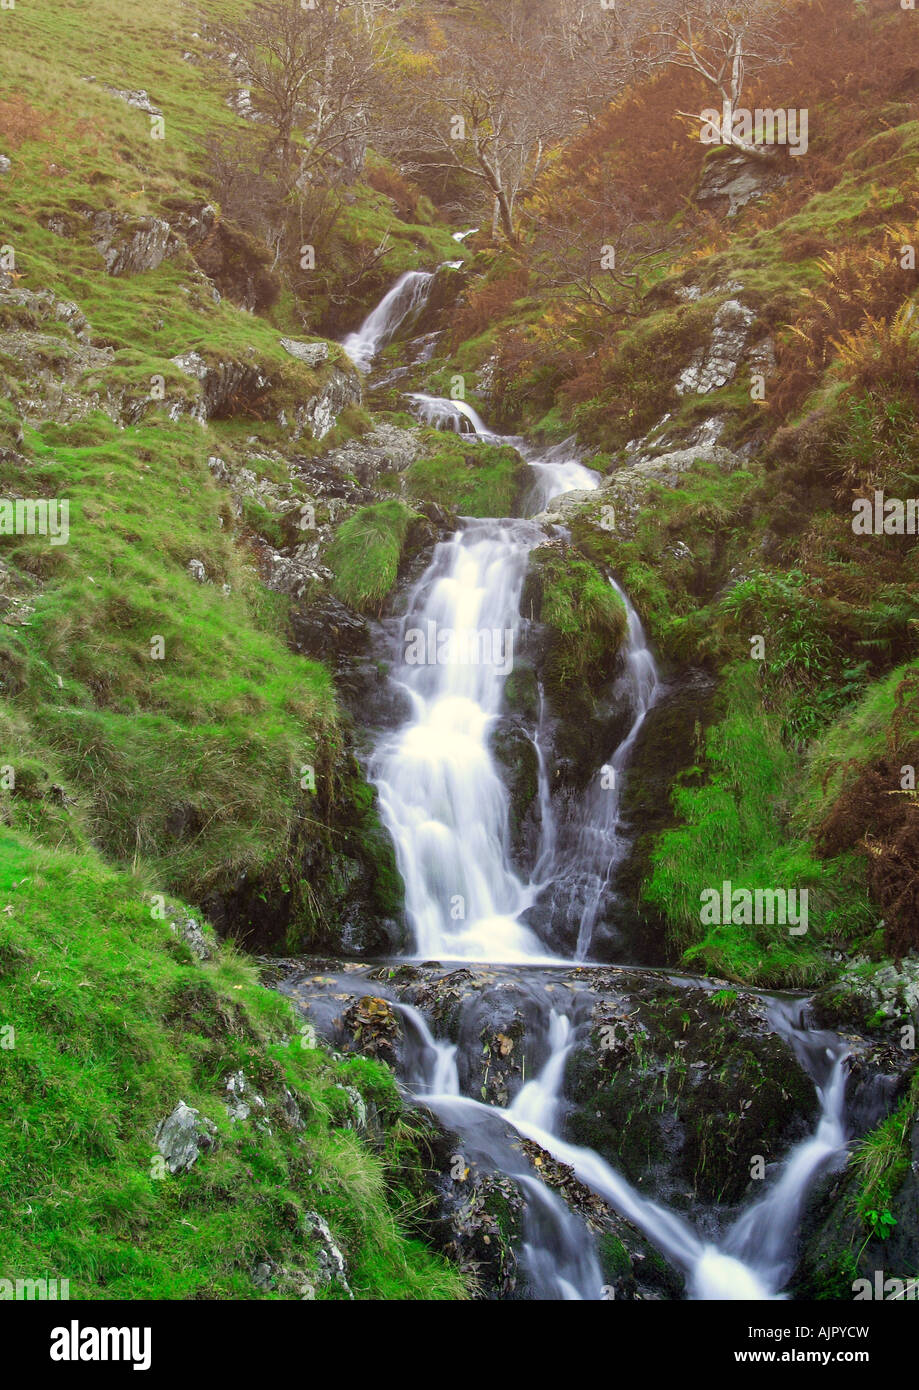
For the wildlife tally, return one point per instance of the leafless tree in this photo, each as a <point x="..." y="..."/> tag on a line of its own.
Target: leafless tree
<point x="723" y="41"/>
<point x="312" y="73"/>
<point x="505" y="86"/>
<point x="597" y="254"/>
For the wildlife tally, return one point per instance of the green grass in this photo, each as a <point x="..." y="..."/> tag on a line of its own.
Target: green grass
<point x="365" y="553"/>
<point x="114" y="1022"/>
<point x="470" y="479"/>
<point x="586" y="616"/>
<point x="879" y="1164"/>
<point x="855" y="740"/>
<point x="221" y="724"/>
<point x="735" y="814"/>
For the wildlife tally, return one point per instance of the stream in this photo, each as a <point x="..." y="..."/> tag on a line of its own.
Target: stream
<point x="445" y="805"/>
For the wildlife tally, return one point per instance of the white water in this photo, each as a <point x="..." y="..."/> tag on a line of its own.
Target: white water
<point x="407" y="294"/>
<point x="441" y="413"/>
<point x="582" y="868"/>
<point x="446" y="807"/>
<point x="441" y="797"/>
<point x="757" y="1254"/>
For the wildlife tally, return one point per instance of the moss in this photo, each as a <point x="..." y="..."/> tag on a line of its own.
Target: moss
<point x="586" y="618"/>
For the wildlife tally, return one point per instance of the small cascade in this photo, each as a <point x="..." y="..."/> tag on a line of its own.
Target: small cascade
<point x="756" y="1255"/>
<point x="407" y="295"/>
<point x="443" y="414"/>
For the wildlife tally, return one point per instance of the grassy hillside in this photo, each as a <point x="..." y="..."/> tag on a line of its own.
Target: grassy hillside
<point x="109" y="1019"/>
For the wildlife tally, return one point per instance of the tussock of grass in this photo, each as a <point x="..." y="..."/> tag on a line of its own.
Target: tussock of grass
<point x="735" y="812"/>
<point x="471" y="479"/>
<point x="586" y="616"/>
<point x="365" y="553"/>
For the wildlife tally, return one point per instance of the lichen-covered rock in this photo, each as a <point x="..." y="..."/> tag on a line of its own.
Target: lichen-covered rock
<point x="241" y="1100"/>
<point x="730" y="181"/>
<point x="321" y="411"/>
<point x="226" y="387"/>
<point x="311" y="354"/>
<point x="129" y="247"/>
<point x="183" y="1136"/>
<point x="714" y="365"/>
<point x="330" y="1262"/>
<point x="189" y="930"/>
<point x="870" y="996"/>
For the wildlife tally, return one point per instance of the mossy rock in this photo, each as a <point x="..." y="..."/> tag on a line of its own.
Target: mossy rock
<point x="586" y="619"/>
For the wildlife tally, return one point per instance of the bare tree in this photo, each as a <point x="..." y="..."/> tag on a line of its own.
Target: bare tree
<point x="311" y="73"/>
<point x="723" y="41"/>
<point x="507" y="85"/>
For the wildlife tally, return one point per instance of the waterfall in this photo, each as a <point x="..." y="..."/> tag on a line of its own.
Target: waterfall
<point x="380" y="326"/>
<point x="443" y="414"/>
<point x="447" y="809"/>
<point x="440" y="793"/>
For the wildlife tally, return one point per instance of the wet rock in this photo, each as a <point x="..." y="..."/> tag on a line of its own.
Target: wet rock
<point x="513" y="749"/>
<point x="632" y="1268"/>
<point x="846" y="1237"/>
<point x="197" y="571"/>
<point x="680" y="1090"/>
<point x="5" y="164"/>
<point x="325" y="626"/>
<point x="482" y="1229"/>
<point x="626" y="491"/>
<point x="183" y="1136"/>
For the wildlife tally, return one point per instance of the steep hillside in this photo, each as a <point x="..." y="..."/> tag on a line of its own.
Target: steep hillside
<point x="195" y="649"/>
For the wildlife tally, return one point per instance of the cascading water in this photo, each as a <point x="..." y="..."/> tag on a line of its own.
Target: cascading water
<point x="444" y="803"/>
<point x="380" y="326"/>
<point x="443" y="414"/>
<point x="593" y="843"/>
<point x="441" y="797"/>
